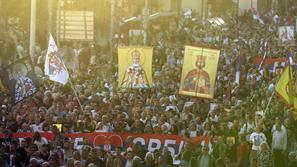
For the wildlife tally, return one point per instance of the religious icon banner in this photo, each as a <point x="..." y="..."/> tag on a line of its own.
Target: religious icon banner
<point x="135" y="67"/>
<point x="199" y="72"/>
<point x="286" y="36"/>
<point x="20" y="79"/>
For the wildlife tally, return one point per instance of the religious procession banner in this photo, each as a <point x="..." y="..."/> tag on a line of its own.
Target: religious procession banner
<point x="286" y="90"/>
<point x="286" y="36"/>
<point x="135" y="67"/>
<point x="19" y="79"/>
<point x="199" y="72"/>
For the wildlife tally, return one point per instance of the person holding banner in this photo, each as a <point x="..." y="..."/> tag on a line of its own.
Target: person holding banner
<point x="197" y="80"/>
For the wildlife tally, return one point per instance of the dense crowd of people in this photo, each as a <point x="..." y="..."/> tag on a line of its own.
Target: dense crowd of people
<point x="246" y="130"/>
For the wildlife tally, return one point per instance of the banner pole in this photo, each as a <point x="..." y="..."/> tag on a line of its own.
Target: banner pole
<point x="264" y="57"/>
<point x="269" y="102"/>
<point x="75" y="93"/>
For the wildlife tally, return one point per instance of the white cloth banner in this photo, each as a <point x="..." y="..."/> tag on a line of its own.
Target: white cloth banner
<point x="54" y="66"/>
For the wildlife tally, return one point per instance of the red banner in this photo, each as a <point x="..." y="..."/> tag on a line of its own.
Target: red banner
<point x="109" y="141"/>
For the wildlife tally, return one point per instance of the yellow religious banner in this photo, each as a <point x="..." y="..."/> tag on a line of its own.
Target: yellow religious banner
<point x="135" y="67"/>
<point x="199" y="72"/>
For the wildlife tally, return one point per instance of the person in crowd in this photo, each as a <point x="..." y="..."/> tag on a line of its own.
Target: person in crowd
<point x="256" y="139"/>
<point x="159" y="110"/>
<point x="38" y="140"/>
<point x="279" y="145"/>
<point x="205" y="160"/>
<point x="167" y="156"/>
<point x="129" y="158"/>
<point x="220" y="163"/>
<point x="243" y="152"/>
<point x="220" y="148"/>
<point x="265" y="156"/>
<point x="149" y="160"/>
<point x="248" y="127"/>
<point x="94" y="158"/>
<point x="292" y="159"/>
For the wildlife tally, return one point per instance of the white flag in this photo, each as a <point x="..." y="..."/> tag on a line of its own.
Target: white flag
<point x="54" y="66"/>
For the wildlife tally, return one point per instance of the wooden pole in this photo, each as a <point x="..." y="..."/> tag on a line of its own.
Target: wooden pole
<point x="76" y="95"/>
<point x="269" y="102"/>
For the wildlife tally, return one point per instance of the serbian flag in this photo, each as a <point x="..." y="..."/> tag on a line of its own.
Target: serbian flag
<point x="54" y="66"/>
<point x="228" y="90"/>
<point x="290" y="56"/>
<point x="238" y="70"/>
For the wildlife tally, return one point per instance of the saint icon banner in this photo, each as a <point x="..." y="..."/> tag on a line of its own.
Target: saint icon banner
<point x="135" y="67"/>
<point x="199" y="72"/>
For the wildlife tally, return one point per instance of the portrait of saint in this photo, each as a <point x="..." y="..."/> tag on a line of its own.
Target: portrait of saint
<point x="135" y="75"/>
<point x="197" y="80"/>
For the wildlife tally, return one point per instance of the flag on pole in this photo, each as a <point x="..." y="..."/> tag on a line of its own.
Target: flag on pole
<point x="19" y="79"/>
<point x="264" y="48"/>
<point x="238" y="68"/>
<point x="286" y="88"/>
<point x="199" y="72"/>
<point x="228" y="90"/>
<point x="54" y="66"/>
<point x="290" y="56"/>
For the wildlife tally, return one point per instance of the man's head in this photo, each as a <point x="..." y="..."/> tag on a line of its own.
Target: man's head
<point x="200" y="62"/>
<point x="135" y="57"/>
<point x="129" y="155"/>
<point x="277" y="121"/>
<point x="258" y="129"/>
<point x="292" y="156"/>
<point x="204" y="150"/>
<point x="278" y="127"/>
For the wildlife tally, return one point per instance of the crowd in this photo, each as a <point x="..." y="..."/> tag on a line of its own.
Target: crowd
<point x="242" y="131"/>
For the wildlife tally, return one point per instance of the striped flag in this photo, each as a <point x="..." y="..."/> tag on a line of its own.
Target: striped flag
<point x="228" y="90"/>
<point x="238" y="68"/>
<point x="264" y="49"/>
<point x="54" y="66"/>
<point x="290" y="56"/>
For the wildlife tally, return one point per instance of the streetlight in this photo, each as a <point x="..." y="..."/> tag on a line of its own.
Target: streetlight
<point x="145" y="21"/>
<point x="32" y="29"/>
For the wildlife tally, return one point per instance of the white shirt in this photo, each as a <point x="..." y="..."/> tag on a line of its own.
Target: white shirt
<point x="104" y="128"/>
<point x="41" y="142"/>
<point x="128" y="163"/>
<point x="257" y="139"/>
<point x="274" y="128"/>
<point x="246" y="128"/>
<point x="37" y="128"/>
<point x="279" y="140"/>
<point x="193" y="133"/>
